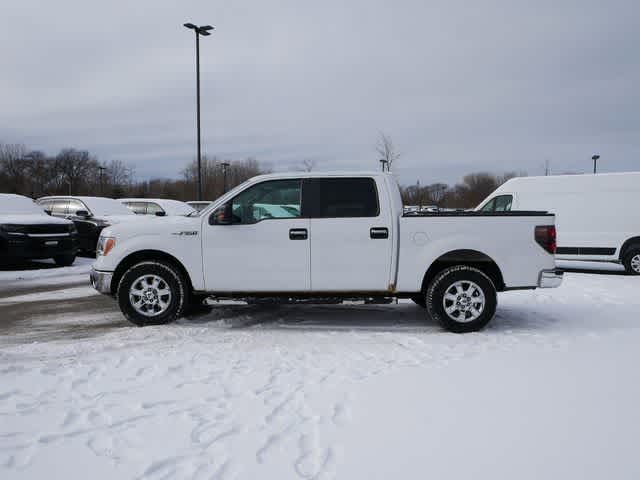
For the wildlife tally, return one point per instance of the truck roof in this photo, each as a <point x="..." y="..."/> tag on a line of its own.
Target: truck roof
<point x="365" y="173"/>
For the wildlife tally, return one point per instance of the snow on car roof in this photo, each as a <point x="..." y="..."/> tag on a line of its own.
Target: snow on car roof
<point x="12" y="204"/>
<point x="99" y="206"/>
<point x="171" y="207"/>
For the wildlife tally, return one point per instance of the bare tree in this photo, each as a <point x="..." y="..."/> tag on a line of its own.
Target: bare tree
<point x="307" y="165"/>
<point x="387" y="151"/>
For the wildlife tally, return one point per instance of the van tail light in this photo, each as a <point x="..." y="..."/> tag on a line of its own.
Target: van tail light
<point x="546" y="237"/>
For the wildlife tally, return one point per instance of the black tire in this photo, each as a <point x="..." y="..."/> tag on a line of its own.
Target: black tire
<point x="196" y="304"/>
<point x="64" y="260"/>
<point x="631" y="261"/>
<point x="444" y="282"/>
<point x="420" y="300"/>
<point x="171" y="279"/>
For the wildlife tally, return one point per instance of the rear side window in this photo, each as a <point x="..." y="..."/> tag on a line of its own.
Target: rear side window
<point x="139" y="208"/>
<point x="153" y="208"/>
<point x="341" y="198"/>
<point x="58" y="206"/>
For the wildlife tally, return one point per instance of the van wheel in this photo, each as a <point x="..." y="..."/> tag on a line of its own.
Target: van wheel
<point x="461" y="299"/>
<point x="631" y="261"/>
<point x="151" y="293"/>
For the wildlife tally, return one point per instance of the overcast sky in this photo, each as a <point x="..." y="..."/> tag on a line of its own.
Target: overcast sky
<point x="460" y="86"/>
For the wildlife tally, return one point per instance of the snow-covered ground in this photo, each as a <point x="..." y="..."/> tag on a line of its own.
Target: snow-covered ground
<point x="550" y="390"/>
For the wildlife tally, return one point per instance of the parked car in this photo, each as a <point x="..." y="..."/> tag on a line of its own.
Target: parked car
<point x="27" y="232"/>
<point x="198" y="205"/>
<point x="595" y="214"/>
<point x="90" y="215"/>
<point x="349" y="240"/>
<point x="159" y="207"/>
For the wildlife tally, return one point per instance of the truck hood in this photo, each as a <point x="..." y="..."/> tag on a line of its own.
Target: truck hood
<point x="32" y="219"/>
<point x="149" y="225"/>
<point x="115" y="219"/>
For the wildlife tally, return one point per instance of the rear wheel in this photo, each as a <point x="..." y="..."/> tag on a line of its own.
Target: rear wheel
<point x="631" y="261"/>
<point x="152" y="293"/>
<point x="64" y="260"/>
<point x="462" y="299"/>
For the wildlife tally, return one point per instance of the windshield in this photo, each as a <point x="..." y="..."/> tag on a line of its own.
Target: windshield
<point x="19" y="205"/>
<point x="230" y="193"/>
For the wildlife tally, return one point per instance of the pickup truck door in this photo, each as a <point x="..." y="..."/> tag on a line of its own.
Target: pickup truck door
<point x="351" y="235"/>
<point x="266" y="246"/>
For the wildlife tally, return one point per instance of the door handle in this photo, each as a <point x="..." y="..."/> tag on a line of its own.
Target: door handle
<point x="379" y="232"/>
<point x="298" y="234"/>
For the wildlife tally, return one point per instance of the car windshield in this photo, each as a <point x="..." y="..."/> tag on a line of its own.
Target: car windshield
<point x="19" y="205"/>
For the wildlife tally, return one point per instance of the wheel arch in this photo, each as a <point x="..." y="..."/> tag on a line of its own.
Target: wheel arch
<point x="148" y="255"/>
<point x="627" y="245"/>
<point x="472" y="258"/>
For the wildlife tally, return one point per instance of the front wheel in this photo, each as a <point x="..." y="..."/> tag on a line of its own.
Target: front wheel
<point x="631" y="261"/>
<point x="462" y="299"/>
<point x="152" y="293"/>
<point x="64" y="260"/>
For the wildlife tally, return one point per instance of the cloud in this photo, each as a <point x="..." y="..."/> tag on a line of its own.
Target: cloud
<point x="495" y="85"/>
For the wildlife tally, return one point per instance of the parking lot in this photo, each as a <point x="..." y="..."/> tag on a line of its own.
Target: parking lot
<point x="318" y="391"/>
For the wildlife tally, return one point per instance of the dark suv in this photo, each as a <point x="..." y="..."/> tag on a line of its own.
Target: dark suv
<point x="27" y="232"/>
<point x="89" y="214"/>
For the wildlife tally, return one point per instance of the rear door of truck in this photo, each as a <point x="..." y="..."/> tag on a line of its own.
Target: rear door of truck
<point x="350" y="234"/>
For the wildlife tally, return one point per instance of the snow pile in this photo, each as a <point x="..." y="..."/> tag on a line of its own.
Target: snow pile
<point x="548" y="391"/>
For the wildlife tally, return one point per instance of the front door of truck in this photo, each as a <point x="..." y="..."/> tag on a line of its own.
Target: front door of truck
<point x="258" y="242"/>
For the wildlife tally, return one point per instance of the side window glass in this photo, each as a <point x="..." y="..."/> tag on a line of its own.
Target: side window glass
<point x="347" y="197"/>
<point x="74" y="206"/>
<point x="153" y="208"/>
<point x="59" y="206"/>
<point x="267" y="200"/>
<point x="139" y="208"/>
<point x="489" y="207"/>
<point x="503" y="203"/>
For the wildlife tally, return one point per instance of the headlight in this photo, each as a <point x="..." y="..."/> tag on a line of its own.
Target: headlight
<point x="14" y="229"/>
<point x="105" y="245"/>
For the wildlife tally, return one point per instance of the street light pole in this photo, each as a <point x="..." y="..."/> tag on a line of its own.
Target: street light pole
<point x="595" y="161"/>
<point x="102" y="169"/>
<point x="204" y="31"/>
<point x="224" y="176"/>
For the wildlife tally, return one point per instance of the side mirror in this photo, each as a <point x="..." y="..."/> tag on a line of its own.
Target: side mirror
<point x="82" y="213"/>
<point x="161" y="214"/>
<point x="222" y="215"/>
<point x="48" y="212"/>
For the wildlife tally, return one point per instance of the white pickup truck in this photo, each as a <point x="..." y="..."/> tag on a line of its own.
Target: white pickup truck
<point x="318" y="235"/>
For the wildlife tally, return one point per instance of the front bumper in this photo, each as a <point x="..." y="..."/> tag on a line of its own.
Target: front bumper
<point x="14" y="247"/>
<point x="101" y="281"/>
<point x="550" y="278"/>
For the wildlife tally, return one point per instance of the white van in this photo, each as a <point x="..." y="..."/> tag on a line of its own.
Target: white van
<point x="597" y="216"/>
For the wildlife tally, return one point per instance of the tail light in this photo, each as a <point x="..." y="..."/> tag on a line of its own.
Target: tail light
<point x="546" y="237"/>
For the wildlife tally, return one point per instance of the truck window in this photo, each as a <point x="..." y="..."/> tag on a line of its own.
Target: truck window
<point x="139" y="208"/>
<point x="267" y="200"/>
<point x="489" y="206"/>
<point x="343" y="197"/>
